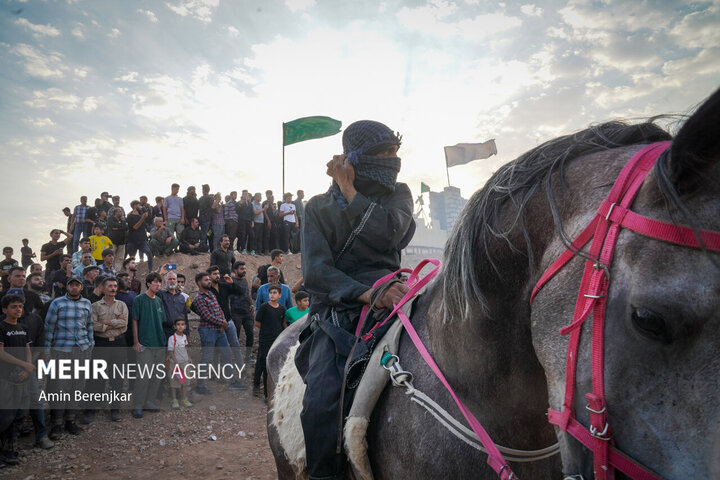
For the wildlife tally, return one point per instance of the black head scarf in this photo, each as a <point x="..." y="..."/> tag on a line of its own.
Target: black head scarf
<point x="362" y="141"/>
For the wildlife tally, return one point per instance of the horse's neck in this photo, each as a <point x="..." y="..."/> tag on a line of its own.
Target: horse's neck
<point x="490" y="363"/>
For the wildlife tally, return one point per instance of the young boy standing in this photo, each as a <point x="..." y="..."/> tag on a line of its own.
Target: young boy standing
<point x="177" y="352"/>
<point x="98" y="243"/>
<point x="270" y="319"/>
<point x="302" y="300"/>
<point x="15" y="367"/>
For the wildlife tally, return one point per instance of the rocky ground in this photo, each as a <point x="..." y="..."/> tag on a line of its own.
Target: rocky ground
<point x="222" y="436"/>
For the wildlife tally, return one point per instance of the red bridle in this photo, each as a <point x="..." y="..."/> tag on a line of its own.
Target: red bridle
<point x="603" y="230"/>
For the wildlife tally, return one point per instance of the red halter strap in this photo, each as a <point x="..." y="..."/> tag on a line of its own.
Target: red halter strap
<point x="603" y="230"/>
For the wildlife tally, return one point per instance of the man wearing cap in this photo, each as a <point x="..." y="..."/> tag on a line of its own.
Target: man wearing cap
<point x="106" y="268"/>
<point x="68" y="335"/>
<point x="352" y="236"/>
<point x="90" y="273"/>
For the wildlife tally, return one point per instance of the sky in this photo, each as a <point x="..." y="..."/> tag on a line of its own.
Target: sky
<point x="129" y="97"/>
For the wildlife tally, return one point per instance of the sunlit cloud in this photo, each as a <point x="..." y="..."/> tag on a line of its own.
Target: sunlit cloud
<point x="202" y="10"/>
<point x="42" y="65"/>
<point x="149" y="14"/>
<point x="297" y="5"/>
<point x="38" y="30"/>
<point x="40" y="122"/>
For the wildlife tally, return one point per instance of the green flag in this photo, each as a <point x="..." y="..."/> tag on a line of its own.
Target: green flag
<point x="424" y="188"/>
<point x="307" y="128"/>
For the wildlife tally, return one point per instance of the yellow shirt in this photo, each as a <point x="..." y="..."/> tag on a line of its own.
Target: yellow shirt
<point x="98" y="244"/>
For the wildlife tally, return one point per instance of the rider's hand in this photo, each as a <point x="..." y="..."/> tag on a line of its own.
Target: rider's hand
<point x="392" y="296"/>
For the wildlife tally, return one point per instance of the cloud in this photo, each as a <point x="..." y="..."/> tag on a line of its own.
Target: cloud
<point x="234" y="32"/>
<point x="163" y="98"/>
<point x="148" y="13"/>
<point x="130" y="77"/>
<point x="90" y="104"/>
<point x="438" y="19"/>
<point x="81" y="72"/>
<point x="38" y="30"/>
<point x="531" y="10"/>
<point x="202" y="10"/>
<point x="54" y="98"/>
<point x="46" y="66"/>
<point x="114" y="33"/>
<point x="297" y="5"/>
<point x="78" y="32"/>
<point x="589" y="21"/>
<point x="699" y="29"/>
<point x="704" y="64"/>
<point x="40" y="122"/>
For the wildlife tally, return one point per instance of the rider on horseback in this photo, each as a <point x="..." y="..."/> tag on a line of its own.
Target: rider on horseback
<point x="352" y="236"/>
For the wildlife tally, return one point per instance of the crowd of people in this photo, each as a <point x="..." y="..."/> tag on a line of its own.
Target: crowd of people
<point x="89" y="303"/>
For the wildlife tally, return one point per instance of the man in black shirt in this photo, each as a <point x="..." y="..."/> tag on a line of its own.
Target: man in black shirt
<point x="60" y="277"/>
<point x="51" y="252"/>
<point x="191" y="239"/>
<point x="352" y="236"/>
<point x="191" y="204"/>
<point x="6" y="265"/>
<point x="17" y="281"/>
<point x="245" y="223"/>
<point x="205" y="211"/>
<point x="26" y="254"/>
<point x="105" y="205"/>
<point x="223" y="257"/>
<point x="241" y="307"/>
<point x="97" y="292"/>
<point x="137" y="233"/>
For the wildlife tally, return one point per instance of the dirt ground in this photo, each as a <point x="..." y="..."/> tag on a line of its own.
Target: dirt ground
<point x="169" y="444"/>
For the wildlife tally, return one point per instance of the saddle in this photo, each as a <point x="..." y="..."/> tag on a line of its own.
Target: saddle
<point x="289" y="391"/>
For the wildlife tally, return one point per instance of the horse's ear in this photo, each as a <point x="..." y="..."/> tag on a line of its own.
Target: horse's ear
<point x="696" y="147"/>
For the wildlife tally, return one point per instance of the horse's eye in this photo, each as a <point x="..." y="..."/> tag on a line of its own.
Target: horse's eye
<point x="651" y="325"/>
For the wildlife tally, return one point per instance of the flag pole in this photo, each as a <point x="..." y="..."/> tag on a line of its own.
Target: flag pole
<point x="447" y="169"/>
<point x="283" y="163"/>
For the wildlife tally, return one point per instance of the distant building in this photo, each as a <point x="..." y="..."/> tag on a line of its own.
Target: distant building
<point x="445" y="208"/>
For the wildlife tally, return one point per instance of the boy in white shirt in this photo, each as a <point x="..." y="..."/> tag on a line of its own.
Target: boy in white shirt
<point x="177" y="353"/>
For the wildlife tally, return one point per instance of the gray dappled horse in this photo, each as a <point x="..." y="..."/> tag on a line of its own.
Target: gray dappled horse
<point x="506" y="360"/>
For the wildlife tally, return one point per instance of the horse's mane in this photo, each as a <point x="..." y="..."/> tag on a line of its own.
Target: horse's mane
<point x="467" y="258"/>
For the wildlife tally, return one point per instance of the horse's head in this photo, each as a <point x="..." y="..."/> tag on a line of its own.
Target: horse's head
<point x="662" y="327"/>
